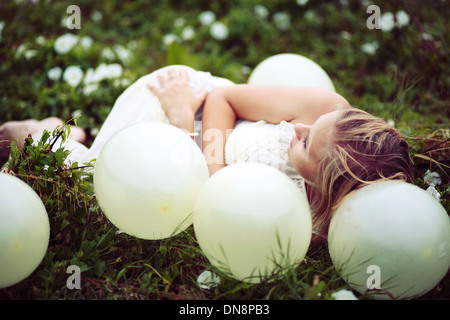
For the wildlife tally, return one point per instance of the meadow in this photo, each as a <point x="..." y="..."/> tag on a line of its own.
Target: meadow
<point x="50" y="66"/>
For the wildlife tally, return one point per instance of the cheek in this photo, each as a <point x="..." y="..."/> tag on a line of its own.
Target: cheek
<point x="297" y="159"/>
<point x="302" y="164"/>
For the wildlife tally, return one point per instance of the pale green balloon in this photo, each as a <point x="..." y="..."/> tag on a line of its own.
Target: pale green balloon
<point x="147" y="177"/>
<point x="288" y="69"/>
<point x="251" y="221"/>
<point x="394" y="231"/>
<point x="24" y="230"/>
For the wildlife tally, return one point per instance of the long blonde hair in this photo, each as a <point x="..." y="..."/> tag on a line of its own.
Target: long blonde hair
<point x="365" y="150"/>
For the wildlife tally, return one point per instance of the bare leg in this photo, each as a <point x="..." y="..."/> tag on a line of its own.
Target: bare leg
<point x="18" y="131"/>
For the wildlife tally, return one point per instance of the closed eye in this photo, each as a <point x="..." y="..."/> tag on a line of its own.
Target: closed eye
<point x="304" y="141"/>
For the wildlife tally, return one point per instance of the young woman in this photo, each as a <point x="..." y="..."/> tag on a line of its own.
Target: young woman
<point x="326" y="147"/>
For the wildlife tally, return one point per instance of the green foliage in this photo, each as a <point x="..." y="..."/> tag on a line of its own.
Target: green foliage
<point x="405" y="80"/>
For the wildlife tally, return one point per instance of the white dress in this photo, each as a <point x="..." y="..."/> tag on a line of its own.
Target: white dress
<point x="248" y="142"/>
<point x="265" y="143"/>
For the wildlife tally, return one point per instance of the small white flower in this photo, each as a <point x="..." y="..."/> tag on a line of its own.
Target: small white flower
<point x="169" y="38"/>
<point x="344" y="294"/>
<point x="65" y="43"/>
<point x="282" y="20"/>
<point x="54" y="73"/>
<point x="41" y="40"/>
<point x="114" y="70"/>
<point x="346" y="35"/>
<point x="102" y="72"/>
<point x="97" y="16"/>
<point x="179" y="22"/>
<point x="123" y="53"/>
<point x="132" y="44"/>
<point x="246" y="70"/>
<point x="21" y="49"/>
<point x="302" y="2"/>
<point x="89" y="77"/>
<point x="432" y="190"/>
<point x="89" y="88"/>
<point x="427" y="37"/>
<point x="208" y="280"/>
<point x="219" y="31"/>
<point x="391" y="122"/>
<point x="63" y="22"/>
<point x="94" y="131"/>
<point x="402" y="18"/>
<point x="108" y="54"/>
<point x="73" y="75"/>
<point x="121" y="83"/>
<point x="30" y="54"/>
<point x="206" y="18"/>
<point x="432" y="178"/>
<point x="387" y="22"/>
<point x="261" y="11"/>
<point x="310" y="16"/>
<point x="86" y="42"/>
<point x="77" y="113"/>
<point x="188" y="33"/>
<point x="370" y="47"/>
<point x="2" y="25"/>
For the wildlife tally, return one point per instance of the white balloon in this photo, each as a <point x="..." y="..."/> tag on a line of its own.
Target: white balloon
<point x="147" y="177"/>
<point x="288" y="69"/>
<point x="24" y="230"/>
<point x="392" y="236"/>
<point x="251" y="221"/>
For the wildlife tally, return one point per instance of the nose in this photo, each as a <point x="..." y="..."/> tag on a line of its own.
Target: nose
<point x="301" y="130"/>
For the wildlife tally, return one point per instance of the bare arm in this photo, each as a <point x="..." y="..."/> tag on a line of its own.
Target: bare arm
<point x="271" y="104"/>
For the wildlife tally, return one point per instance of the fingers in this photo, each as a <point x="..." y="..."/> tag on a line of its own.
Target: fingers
<point x="172" y="74"/>
<point x="153" y="88"/>
<point x="184" y="75"/>
<point x="165" y="80"/>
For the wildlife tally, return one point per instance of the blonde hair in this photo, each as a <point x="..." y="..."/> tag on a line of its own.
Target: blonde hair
<point x="365" y="150"/>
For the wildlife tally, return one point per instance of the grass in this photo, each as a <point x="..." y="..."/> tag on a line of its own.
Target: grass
<point x="404" y="81"/>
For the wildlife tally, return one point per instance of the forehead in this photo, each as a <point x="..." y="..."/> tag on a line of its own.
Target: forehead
<point x="321" y="133"/>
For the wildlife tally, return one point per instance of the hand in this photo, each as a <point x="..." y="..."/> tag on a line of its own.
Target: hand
<point x="176" y="96"/>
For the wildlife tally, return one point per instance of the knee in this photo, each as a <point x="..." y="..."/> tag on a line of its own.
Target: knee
<point x="77" y="134"/>
<point x="6" y="132"/>
<point x="5" y="142"/>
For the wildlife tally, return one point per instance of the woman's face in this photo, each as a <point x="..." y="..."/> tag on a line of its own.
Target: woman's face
<point x="309" y="144"/>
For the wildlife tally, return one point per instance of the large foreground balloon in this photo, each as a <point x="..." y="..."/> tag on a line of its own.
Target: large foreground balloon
<point x="24" y="230"/>
<point x="147" y="177"/>
<point x="391" y="237"/>
<point x="288" y="69"/>
<point x="252" y="221"/>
